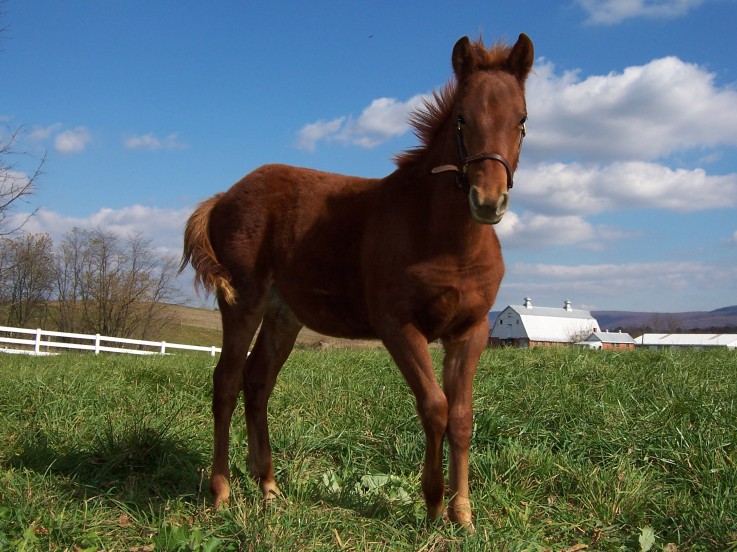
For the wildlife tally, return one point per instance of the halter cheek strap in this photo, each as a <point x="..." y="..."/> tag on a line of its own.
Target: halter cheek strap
<point x="466" y="160"/>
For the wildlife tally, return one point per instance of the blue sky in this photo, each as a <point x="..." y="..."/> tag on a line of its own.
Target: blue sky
<point x="626" y="195"/>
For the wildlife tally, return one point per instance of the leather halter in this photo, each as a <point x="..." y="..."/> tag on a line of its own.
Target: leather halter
<point x="466" y="160"/>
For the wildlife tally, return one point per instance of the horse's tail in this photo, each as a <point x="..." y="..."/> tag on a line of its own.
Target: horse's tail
<point x="198" y="252"/>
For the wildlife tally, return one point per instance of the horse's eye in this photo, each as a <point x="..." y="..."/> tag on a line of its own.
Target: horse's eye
<point x="522" y="126"/>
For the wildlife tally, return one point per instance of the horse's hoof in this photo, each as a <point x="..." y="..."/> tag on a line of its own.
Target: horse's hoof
<point x="469" y="528"/>
<point x="220" y="503"/>
<point x="462" y="516"/>
<point x="436" y="512"/>
<point x="220" y="491"/>
<point x="270" y="491"/>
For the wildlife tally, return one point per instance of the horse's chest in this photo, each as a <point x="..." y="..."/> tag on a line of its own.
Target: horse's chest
<point x="449" y="301"/>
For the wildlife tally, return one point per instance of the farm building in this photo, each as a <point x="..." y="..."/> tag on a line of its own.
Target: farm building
<point x="609" y="340"/>
<point x="699" y="341"/>
<point x="528" y="326"/>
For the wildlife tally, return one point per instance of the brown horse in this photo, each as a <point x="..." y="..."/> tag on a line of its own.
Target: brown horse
<point x="410" y="258"/>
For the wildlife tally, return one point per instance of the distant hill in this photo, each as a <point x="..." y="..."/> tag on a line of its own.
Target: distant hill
<point x="723" y="320"/>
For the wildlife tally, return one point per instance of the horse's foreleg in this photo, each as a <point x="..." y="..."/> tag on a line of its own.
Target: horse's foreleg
<point x="409" y="350"/>
<point x="278" y="333"/>
<point x="238" y="331"/>
<point x="461" y="358"/>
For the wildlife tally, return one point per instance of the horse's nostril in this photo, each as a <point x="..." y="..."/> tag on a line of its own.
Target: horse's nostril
<point x="503" y="204"/>
<point x="477" y="197"/>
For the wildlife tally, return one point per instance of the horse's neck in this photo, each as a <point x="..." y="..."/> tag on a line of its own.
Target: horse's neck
<point x="440" y="210"/>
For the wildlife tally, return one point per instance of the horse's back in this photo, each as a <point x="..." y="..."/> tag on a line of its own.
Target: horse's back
<point x="277" y="206"/>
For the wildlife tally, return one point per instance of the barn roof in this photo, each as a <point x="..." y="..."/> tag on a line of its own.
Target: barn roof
<point x="688" y="340"/>
<point x="550" y="312"/>
<point x="611" y="337"/>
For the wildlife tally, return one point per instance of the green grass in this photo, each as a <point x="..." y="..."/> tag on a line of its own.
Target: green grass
<point x="614" y="451"/>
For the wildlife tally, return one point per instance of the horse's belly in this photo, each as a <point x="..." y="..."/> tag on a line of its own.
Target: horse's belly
<point x="329" y="312"/>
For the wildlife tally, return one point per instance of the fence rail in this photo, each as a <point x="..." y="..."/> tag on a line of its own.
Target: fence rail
<point x="37" y="345"/>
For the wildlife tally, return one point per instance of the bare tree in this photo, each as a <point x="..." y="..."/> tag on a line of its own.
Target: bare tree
<point x="112" y="286"/>
<point x="68" y="285"/>
<point x="151" y="281"/>
<point x="580" y="334"/>
<point x="26" y="277"/>
<point x="15" y="185"/>
<point x="664" y="323"/>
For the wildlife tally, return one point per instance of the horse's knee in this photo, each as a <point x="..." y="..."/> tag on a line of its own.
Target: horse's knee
<point x="226" y="384"/>
<point x="433" y="412"/>
<point x="460" y="427"/>
<point x="255" y="394"/>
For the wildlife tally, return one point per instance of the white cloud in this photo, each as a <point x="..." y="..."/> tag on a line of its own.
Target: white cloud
<point x="635" y="286"/>
<point x="11" y="180"/>
<point x="532" y="230"/>
<point x="163" y="226"/>
<point x="576" y="189"/>
<point x="605" y="272"/>
<point x="152" y="143"/>
<point x="72" y="141"/>
<point x="539" y="231"/>
<point x="40" y="134"/>
<point x="310" y="135"/>
<point x="602" y="143"/>
<point x="643" y="113"/>
<point x="609" y="12"/>
<point x="383" y="119"/>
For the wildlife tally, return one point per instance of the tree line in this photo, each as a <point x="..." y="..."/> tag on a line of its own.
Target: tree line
<point x="92" y="282"/>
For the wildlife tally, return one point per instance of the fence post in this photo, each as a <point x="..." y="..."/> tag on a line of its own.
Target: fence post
<point x="37" y="346"/>
<point x="97" y="344"/>
<point x="212" y="351"/>
<point x="163" y="347"/>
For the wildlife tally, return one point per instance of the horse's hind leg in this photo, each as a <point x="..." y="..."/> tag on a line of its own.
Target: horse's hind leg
<point x="278" y="333"/>
<point x="239" y="326"/>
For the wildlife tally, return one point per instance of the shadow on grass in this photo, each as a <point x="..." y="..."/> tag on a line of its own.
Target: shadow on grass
<point x="138" y="466"/>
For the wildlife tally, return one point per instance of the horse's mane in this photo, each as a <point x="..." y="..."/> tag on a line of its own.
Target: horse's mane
<point x="429" y="120"/>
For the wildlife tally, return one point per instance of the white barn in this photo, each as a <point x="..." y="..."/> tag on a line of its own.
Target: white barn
<point x="528" y="326"/>
<point x="608" y="340"/>
<point x="699" y="341"/>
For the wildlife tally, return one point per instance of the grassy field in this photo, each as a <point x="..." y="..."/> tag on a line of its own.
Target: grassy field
<point x="572" y="450"/>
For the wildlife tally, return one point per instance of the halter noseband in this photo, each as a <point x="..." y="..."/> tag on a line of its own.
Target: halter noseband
<point x="466" y="160"/>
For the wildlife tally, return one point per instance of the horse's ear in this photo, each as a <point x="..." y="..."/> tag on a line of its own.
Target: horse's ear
<point x="464" y="59"/>
<point x="520" y="59"/>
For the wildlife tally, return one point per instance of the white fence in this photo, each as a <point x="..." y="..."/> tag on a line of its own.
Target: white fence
<point x="39" y="342"/>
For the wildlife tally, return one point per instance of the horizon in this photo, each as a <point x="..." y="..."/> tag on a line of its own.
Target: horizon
<point x="494" y="310"/>
<point x="625" y="197"/>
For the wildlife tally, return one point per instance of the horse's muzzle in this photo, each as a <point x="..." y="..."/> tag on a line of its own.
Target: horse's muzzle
<point x="487" y="209"/>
